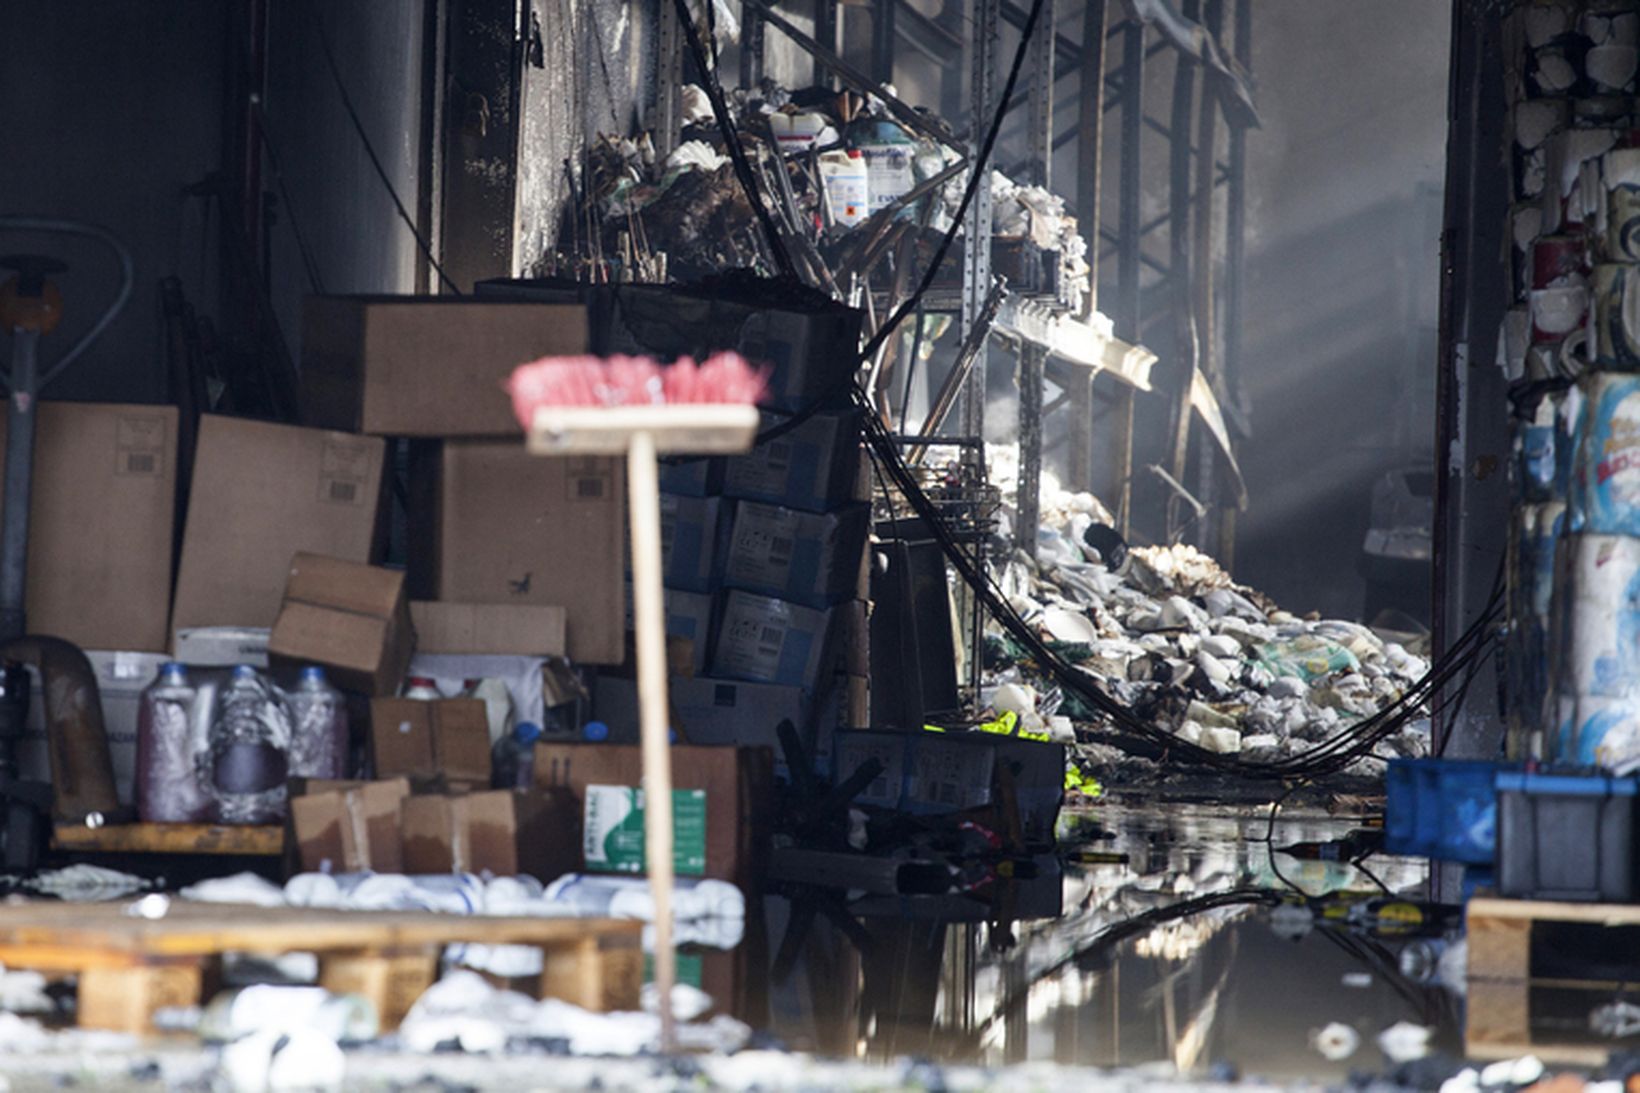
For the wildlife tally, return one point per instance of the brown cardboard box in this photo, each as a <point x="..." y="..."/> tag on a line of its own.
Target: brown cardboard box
<point x="349" y="826"/>
<point x="448" y="739"/>
<point x="351" y="619"/>
<point x="101" y="521"/>
<point x="494" y="524"/>
<point x="739" y="785"/>
<point x="261" y="495"/>
<point x="425" y="366"/>
<point x="505" y="831"/>
<point x="503" y="629"/>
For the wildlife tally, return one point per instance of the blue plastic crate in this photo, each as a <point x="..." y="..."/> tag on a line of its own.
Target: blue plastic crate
<point x="1445" y="809"/>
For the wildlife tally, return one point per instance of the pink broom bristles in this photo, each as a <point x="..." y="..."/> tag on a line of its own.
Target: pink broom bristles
<point x="632" y="381"/>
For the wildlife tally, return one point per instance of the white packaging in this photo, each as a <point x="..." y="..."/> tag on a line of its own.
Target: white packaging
<point x="848" y="186"/>
<point x="1600" y="645"/>
<point x="221" y="646"/>
<point x="890" y="173"/>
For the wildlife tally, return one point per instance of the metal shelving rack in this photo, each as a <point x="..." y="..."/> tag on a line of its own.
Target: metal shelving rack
<point x="1188" y="299"/>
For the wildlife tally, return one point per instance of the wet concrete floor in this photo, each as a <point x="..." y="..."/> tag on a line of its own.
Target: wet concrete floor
<point x="1089" y="968"/>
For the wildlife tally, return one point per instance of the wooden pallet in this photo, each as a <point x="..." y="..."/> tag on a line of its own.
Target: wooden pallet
<point x="263" y="842"/>
<point x="128" y="967"/>
<point x="1513" y="980"/>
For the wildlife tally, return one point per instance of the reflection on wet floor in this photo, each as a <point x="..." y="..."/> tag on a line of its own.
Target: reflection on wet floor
<point x="1091" y="966"/>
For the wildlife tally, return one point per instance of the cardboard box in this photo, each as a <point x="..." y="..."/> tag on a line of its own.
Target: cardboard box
<point x="811" y="347"/>
<point x="931" y="773"/>
<point x="488" y="629"/>
<point x="504" y="832"/>
<point x="349" y="827"/>
<point x="815" y="467"/>
<point x="803" y="557"/>
<point x="448" y="738"/>
<point x="261" y="495"/>
<point x="350" y="619"/>
<point x="713" y="712"/>
<point x="739" y="784"/>
<point x="613" y="830"/>
<point x="690" y="538"/>
<point x="765" y="640"/>
<point x="102" y="512"/>
<point x="425" y="365"/>
<point x="494" y="524"/>
<point x="688" y="617"/>
<point x="221" y="646"/>
<point x="692" y="476"/>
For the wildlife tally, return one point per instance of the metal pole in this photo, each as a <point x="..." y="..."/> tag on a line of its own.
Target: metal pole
<point x="1235" y="223"/>
<point x="668" y="81"/>
<point x="1090" y="136"/>
<point x="1202" y="290"/>
<point x="20" y="419"/>
<point x="1129" y="242"/>
<point x="751" y="47"/>
<point x="882" y="40"/>
<point x="1178" y="231"/>
<point x="825" y="32"/>
<point x="1033" y="361"/>
<point x="976" y="269"/>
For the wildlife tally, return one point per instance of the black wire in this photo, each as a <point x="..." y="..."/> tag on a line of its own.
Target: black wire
<point x="309" y="263"/>
<point x="731" y="138"/>
<point x="370" y="150"/>
<point x="1329" y="756"/>
<point x="981" y="165"/>
<point x="1270" y="842"/>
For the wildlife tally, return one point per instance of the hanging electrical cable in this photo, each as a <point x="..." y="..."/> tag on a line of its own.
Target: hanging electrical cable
<point x="1125" y="728"/>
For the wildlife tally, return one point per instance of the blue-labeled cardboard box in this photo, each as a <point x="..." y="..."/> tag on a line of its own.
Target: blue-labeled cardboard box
<point x="814" y="467"/>
<point x="761" y="639"/>
<point x="807" y="558"/>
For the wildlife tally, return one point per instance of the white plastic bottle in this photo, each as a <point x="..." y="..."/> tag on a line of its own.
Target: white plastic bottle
<point x="168" y="789"/>
<point x="848" y="186"/>
<point x="319" y="731"/>
<point x="250" y="751"/>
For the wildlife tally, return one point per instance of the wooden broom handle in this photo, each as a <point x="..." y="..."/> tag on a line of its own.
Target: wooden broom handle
<point x="649" y="624"/>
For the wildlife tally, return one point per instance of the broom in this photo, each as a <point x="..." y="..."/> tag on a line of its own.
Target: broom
<point x="635" y="407"/>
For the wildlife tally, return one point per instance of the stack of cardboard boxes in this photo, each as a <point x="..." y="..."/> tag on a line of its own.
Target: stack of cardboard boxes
<point x="276" y="543"/>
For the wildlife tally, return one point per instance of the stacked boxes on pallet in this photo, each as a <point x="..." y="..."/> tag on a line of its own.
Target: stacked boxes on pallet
<point x="763" y="553"/>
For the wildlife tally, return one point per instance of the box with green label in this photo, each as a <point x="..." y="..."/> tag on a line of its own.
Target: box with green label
<point x="613" y="832"/>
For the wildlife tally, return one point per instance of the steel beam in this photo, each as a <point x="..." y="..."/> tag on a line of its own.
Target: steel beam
<point x="825" y="32"/>
<point x="1128" y="253"/>
<point x="1185" y="336"/>
<point x="751" y="47"/>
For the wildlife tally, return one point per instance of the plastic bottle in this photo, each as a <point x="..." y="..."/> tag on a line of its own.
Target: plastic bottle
<point x="512" y="763"/>
<point x="319" y="732"/>
<point x="848" y="186"/>
<point x="249" y="751"/>
<point x="422" y="688"/>
<point x="168" y="787"/>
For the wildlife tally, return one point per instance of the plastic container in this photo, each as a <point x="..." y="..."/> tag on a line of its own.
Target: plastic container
<point x="1564" y="836"/>
<point x="848" y="186"/>
<point x="319" y="732"/>
<point x="168" y="785"/>
<point x="512" y="762"/>
<point x="595" y="732"/>
<point x="422" y="688"/>
<point x="1442" y="808"/>
<point x="249" y="751"/>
